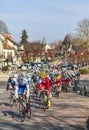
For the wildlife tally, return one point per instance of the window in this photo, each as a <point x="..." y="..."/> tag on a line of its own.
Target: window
<point x="10" y="53"/>
<point x="4" y="55"/>
<point x="7" y="54"/>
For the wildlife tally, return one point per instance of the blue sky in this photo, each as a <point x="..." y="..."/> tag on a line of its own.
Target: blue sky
<point x="51" y="19"/>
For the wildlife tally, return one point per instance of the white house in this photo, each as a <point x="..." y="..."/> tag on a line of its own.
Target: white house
<point x="47" y="47"/>
<point x="1" y="45"/>
<point x="8" y="49"/>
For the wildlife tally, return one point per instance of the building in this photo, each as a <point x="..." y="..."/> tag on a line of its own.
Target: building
<point x="8" y="50"/>
<point x="36" y="51"/>
<point x="1" y="45"/>
<point x="46" y="47"/>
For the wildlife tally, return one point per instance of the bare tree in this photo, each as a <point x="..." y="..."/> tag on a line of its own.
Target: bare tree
<point x="68" y="40"/>
<point x="83" y="32"/>
<point x="3" y="27"/>
<point x="83" y="29"/>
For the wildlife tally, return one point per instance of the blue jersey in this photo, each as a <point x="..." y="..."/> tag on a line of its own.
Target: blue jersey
<point x="21" y="86"/>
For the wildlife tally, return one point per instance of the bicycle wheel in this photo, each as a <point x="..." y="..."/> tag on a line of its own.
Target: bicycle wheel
<point x="44" y="103"/>
<point x="21" y="112"/>
<point x="22" y="116"/>
<point x="11" y="100"/>
<point x="44" y="106"/>
<point x="29" y="111"/>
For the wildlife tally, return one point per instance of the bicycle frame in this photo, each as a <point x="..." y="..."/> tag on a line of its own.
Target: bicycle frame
<point x="23" y="110"/>
<point x="44" y="99"/>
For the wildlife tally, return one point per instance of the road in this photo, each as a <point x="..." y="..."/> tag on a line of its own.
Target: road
<point x="69" y="112"/>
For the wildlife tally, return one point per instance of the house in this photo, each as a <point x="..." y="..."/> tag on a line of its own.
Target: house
<point x="1" y="50"/>
<point x="1" y="45"/>
<point x="8" y="49"/>
<point x="46" y="47"/>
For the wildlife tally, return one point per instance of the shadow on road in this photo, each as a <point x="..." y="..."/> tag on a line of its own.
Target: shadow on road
<point x="87" y="123"/>
<point x="12" y="115"/>
<point x="34" y="126"/>
<point x="5" y="104"/>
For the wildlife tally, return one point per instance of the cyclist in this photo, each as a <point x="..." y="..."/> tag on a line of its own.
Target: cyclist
<point x="66" y="80"/>
<point x="45" y="85"/>
<point x="22" y="87"/>
<point x="58" y="83"/>
<point x="10" y="83"/>
<point x="11" y="86"/>
<point x="29" y="79"/>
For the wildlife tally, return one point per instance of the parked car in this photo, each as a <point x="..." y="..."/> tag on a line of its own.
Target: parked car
<point x="39" y="64"/>
<point x="26" y="67"/>
<point x="31" y="63"/>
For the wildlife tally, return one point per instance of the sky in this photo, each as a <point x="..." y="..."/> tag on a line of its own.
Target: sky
<point x="51" y="19"/>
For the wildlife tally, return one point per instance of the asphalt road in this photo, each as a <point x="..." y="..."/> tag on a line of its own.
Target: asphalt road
<point x="68" y="112"/>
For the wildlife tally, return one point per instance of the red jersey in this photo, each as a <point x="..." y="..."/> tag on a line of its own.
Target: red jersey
<point x="58" y="82"/>
<point x="44" y="84"/>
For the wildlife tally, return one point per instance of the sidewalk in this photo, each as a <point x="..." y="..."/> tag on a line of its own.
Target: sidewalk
<point x="5" y="76"/>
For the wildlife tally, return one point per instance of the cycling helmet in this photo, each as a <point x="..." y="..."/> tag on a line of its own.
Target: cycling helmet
<point x="58" y="77"/>
<point x="20" y="76"/>
<point x="43" y="75"/>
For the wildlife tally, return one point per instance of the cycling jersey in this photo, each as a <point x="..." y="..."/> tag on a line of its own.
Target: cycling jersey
<point x="58" y="82"/>
<point x="10" y="84"/>
<point x="21" y="87"/>
<point x="44" y="83"/>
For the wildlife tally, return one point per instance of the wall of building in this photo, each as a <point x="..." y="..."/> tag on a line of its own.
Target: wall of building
<point x="7" y="51"/>
<point x="1" y="47"/>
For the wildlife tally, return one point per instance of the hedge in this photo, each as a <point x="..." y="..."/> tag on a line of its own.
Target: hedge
<point x="84" y="71"/>
<point x="5" y="68"/>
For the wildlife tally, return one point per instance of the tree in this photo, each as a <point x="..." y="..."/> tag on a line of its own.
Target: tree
<point x="37" y="48"/>
<point x="24" y="38"/>
<point x="67" y="42"/>
<point x="58" y="45"/>
<point x="83" y="32"/>
<point x="83" y="29"/>
<point x="3" y="28"/>
<point x="77" y="43"/>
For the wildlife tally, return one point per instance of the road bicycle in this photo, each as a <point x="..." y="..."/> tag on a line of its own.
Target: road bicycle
<point x="44" y="100"/>
<point x="24" y="110"/>
<point x="12" y="97"/>
<point x="57" y="90"/>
